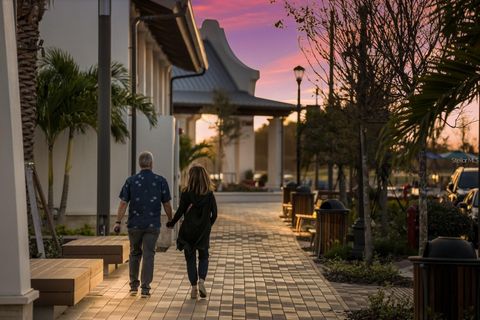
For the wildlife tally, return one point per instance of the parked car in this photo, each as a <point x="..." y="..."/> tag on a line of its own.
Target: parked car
<point x="469" y="205"/>
<point x="463" y="179"/>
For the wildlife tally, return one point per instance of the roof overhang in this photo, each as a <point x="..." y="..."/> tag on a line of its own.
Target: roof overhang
<point x="193" y="102"/>
<point x="178" y="37"/>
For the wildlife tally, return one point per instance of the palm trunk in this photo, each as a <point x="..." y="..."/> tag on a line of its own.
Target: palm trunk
<point x="50" y="178"/>
<point x="66" y="179"/>
<point x="29" y="14"/>
<point x="422" y="200"/>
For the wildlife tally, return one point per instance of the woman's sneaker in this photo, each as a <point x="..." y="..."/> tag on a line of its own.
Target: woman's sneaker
<point x="201" y="288"/>
<point x="145" y="294"/>
<point x="133" y="292"/>
<point x="193" y="293"/>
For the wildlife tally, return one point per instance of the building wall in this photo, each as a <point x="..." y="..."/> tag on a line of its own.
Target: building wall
<point x="72" y="25"/>
<point x="239" y="155"/>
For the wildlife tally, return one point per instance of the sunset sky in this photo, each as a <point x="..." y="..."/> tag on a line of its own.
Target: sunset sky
<point x="249" y="26"/>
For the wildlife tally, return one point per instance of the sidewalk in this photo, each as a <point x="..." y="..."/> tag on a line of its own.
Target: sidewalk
<point x="257" y="271"/>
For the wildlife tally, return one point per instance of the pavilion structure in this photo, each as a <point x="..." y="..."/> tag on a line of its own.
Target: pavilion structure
<point x="226" y="73"/>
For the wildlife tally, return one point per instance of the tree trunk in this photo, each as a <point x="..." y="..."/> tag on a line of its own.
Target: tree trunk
<point x="29" y="14"/>
<point x="316" y="171"/>
<point x="50" y="178"/>
<point x="383" y="175"/>
<point x="66" y="179"/>
<point x="422" y="200"/>
<point x="342" y="185"/>
<point x="330" y="176"/>
<point x="366" y="199"/>
<point x="220" y="162"/>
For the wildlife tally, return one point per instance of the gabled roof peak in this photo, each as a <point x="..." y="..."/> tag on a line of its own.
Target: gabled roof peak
<point x="244" y="77"/>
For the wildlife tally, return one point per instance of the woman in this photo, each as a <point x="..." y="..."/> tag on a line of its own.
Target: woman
<point x="198" y="205"/>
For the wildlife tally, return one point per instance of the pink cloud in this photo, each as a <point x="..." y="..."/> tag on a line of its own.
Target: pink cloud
<point x="238" y="15"/>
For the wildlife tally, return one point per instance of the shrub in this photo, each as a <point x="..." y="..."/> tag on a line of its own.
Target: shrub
<point x="338" y="251"/>
<point x="382" y="306"/>
<point x="249" y="174"/>
<point x="444" y="219"/>
<point x="85" y="230"/>
<point x="50" y="248"/>
<point x="390" y="248"/>
<point x="234" y="187"/>
<point x="360" y="272"/>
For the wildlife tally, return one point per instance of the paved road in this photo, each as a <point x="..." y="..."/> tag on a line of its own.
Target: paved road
<point x="257" y="271"/>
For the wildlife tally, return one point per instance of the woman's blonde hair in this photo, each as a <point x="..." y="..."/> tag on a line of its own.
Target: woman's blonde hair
<point x="198" y="180"/>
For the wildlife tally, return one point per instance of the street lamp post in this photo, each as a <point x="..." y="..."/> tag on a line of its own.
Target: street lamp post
<point x="299" y="71"/>
<point x="104" y="111"/>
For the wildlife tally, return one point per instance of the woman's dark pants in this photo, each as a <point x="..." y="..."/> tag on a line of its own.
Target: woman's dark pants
<point x="191" y="258"/>
<point x="142" y="246"/>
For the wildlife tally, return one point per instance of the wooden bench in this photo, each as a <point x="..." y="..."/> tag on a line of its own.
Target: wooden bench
<point x="114" y="250"/>
<point x="62" y="283"/>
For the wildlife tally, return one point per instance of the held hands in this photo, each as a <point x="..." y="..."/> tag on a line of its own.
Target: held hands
<point x="170" y="224"/>
<point x="116" y="228"/>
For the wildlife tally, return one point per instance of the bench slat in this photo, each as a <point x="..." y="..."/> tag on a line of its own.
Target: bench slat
<point x="64" y="282"/>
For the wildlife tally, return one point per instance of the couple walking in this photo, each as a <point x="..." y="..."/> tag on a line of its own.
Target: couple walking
<point x="144" y="194"/>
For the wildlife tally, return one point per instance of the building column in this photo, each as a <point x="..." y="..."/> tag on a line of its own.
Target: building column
<point x="155" y="84"/>
<point x="16" y="294"/>
<point x="191" y="127"/>
<point x="141" y="62"/>
<point x="240" y="154"/>
<point x="275" y="153"/>
<point x="149" y="70"/>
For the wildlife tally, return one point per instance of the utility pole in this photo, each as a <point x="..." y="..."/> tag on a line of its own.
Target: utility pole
<point x="104" y="111"/>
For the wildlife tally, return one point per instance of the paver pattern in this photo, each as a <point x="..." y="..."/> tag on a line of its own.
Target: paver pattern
<point x="257" y="271"/>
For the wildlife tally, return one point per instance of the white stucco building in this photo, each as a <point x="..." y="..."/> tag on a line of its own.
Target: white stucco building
<point x="72" y="25"/>
<point x="228" y="74"/>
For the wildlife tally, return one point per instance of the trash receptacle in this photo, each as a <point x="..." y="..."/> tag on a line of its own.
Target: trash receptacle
<point x="302" y="202"/>
<point x="331" y="225"/>
<point x="446" y="280"/>
<point x="287" y="190"/>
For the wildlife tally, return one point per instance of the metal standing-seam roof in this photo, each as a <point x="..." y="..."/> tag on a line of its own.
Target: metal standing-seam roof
<point x="190" y="95"/>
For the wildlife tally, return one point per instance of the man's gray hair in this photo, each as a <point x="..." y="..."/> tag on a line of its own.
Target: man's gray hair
<point x="145" y="159"/>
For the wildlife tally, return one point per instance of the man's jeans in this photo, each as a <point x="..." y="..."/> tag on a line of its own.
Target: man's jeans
<point x="191" y="258"/>
<point x="142" y="245"/>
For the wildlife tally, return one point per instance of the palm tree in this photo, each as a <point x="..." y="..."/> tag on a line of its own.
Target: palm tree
<point x="28" y="14"/>
<point x="67" y="100"/>
<point x="452" y="80"/>
<point x="190" y="152"/>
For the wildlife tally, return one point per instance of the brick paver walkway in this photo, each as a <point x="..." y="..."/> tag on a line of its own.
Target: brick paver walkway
<point x="257" y="271"/>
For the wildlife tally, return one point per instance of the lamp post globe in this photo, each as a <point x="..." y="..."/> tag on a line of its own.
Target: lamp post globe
<point x="298" y="71"/>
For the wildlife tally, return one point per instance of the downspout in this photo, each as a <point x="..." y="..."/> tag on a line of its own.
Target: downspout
<point x="182" y="77"/>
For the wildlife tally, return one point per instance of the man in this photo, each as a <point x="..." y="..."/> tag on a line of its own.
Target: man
<point x="144" y="194"/>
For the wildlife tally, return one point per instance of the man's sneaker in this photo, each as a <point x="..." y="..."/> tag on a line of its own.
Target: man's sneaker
<point x="133" y="292"/>
<point x="193" y="293"/>
<point x="201" y="288"/>
<point x="145" y="294"/>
